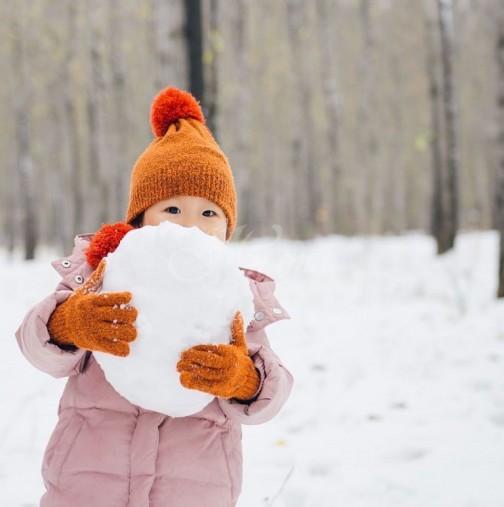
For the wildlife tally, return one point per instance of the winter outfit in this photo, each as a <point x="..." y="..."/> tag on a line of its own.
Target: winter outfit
<point x="105" y="451"/>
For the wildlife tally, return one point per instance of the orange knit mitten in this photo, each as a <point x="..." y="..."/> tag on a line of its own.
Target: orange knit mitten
<point x="100" y="322"/>
<point x="226" y="371"/>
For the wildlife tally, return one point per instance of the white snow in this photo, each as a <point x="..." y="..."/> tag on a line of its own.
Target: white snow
<point x="187" y="287"/>
<point x="398" y="359"/>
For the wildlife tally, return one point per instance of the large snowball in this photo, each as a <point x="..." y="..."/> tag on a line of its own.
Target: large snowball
<point x="187" y="289"/>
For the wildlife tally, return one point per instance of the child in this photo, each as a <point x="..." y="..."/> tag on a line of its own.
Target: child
<point x="104" y="451"/>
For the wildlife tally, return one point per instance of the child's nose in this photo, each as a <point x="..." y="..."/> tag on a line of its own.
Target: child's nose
<point x="188" y="222"/>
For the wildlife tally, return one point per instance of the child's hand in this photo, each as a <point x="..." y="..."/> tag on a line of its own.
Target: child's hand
<point x="226" y="371"/>
<point x="90" y="321"/>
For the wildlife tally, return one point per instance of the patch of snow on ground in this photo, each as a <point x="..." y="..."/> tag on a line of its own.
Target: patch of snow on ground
<point x="398" y="359"/>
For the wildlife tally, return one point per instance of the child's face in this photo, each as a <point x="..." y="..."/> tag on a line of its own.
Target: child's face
<point x="188" y="211"/>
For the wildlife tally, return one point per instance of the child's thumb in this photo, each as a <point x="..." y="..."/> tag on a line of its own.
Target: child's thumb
<point x="94" y="282"/>
<point x="238" y="332"/>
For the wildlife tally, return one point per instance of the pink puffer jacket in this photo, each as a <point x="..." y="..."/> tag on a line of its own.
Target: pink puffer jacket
<point x="106" y="452"/>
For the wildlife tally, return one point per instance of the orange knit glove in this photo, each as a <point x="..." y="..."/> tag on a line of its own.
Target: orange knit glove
<point x="226" y="371"/>
<point x="94" y="321"/>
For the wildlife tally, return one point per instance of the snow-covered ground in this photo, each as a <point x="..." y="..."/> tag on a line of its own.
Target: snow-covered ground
<point x="398" y="358"/>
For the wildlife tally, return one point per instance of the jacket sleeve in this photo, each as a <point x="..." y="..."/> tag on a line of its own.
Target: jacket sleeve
<point x="276" y="385"/>
<point x="33" y="337"/>
<point x="33" y="340"/>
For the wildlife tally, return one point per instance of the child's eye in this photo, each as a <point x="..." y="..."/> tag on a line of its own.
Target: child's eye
<point x="209" y="213"/>
<point x="173" y="210"/>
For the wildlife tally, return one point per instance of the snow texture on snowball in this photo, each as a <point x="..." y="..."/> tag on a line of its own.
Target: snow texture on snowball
<point x="187" y="289"/>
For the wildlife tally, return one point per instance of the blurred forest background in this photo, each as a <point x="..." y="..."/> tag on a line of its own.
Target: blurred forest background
<point x="338" y="116"/>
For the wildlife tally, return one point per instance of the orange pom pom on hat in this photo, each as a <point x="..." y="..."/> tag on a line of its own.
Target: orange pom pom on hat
<point x="184" y="159"/>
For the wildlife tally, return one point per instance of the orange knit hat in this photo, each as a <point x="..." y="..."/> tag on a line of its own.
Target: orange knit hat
<point x="184" y="159"/>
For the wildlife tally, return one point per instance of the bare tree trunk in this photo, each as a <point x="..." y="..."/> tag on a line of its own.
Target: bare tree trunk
<point x="446" y="238"/>
<point x="56" y="215"/>
<point x="376" y="170"/>
<point x="437" y="206"/>
<point x="25" y="165"/>
<point x="298" y="154"/>
<point x="365" y="140"/>
<point x="170" y="44"/>
<point x="10" y="211"/>
<point x="120" y="133"/>
<point x="194" y="35"/>
<point x="240" y="33"/>
<point x="395" y="190"/>
<point x="213" y="41"/>
<point x="499" y="186"/>
<point x="77" y="180"/>
<point x="326" y="15"/>
<point x="395" y="193"/>
<point x="74" y="183"/>
<point x="98" y="198"/>
<point x="303" y="145"/>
